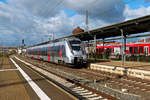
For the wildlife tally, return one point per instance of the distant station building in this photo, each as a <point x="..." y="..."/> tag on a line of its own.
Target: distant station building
<point x="77" y="30"/>
<point x="6" y="49"/>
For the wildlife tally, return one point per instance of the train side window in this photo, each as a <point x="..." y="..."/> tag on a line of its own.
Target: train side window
<point x="141" y="49"/>
<point x="102" y="49"/>
<point x="45" y="49"/>
<point x="97" y="50"/>
<point x="57" y="48"/>
<point x="63" y="51"/>
<point x="53" y="51"/>
<point x="38" y="51"/>
<point x="111" y="50"/>
<point x="53" y="48"/>
<point x="28" y="51"/>
<point x="135" y="49"/>
<point x="146" y="50"/>
<point x="108" y="49"/>
<point x="34" y="51"/>
<point x="42" y="51"/>
<point x="131" y="49"/>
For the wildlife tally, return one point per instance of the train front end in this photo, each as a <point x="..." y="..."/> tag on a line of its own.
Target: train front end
<point x="77" y="52"/>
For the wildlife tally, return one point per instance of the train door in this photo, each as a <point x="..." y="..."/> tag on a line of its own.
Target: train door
<point x="146" y="49"/>
<point x="117" y="51"/>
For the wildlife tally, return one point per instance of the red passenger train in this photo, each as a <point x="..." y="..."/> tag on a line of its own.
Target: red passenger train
<point x="131" y="49"/>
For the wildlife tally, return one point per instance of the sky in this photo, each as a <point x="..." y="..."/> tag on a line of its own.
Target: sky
<point x="33" y="20"/>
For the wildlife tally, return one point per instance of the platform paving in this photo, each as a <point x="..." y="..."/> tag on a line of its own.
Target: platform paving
<point x="11" y="86"/>
<point x="15" y="86"/>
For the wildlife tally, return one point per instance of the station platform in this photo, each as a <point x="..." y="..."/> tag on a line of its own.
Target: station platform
<point x="19" y="82"/>
<point x="130" y="68"/>
<point x="11" y="86"/>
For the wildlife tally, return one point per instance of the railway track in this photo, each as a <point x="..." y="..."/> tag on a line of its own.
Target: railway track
<point x="76" y="88"/>
<point x="118" y="82"/>
<point x="122" y="83"/>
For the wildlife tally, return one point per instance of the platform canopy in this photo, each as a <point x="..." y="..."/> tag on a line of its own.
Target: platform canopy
<point x="134" y="26"/>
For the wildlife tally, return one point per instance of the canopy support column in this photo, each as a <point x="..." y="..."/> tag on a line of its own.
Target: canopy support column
<point x="88" y="50"/>
<point x="103" y="48"/>
<point x="95" y="46"/>
<point x="123" y="48"/>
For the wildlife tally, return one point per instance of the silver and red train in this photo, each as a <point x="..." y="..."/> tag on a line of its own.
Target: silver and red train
<point x="63" y="51"/>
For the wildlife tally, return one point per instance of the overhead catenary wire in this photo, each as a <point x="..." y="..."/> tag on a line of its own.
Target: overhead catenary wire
<point x="107" y="10"/>
<point x="54" y="7"/>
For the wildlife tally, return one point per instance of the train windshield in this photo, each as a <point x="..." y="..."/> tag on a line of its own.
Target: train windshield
<point x="75" y="45"/>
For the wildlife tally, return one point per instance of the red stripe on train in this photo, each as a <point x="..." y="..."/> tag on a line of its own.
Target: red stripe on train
<point x="60" y="52"/>
<point x="48" y="52"/>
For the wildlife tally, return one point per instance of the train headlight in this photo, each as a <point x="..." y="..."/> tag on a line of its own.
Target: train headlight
<point x="71" y="57"/>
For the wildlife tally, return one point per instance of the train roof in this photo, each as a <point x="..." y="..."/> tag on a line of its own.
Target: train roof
<point x="56" y="40"/>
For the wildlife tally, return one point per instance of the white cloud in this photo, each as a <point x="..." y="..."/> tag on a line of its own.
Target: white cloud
<point x="99" y="9"/>
<point x="42" y="8"/>
<point x="33" y="19"/>
<point x="134" y="13"/>
<point x="147" y="1"/>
